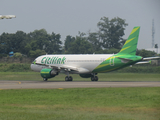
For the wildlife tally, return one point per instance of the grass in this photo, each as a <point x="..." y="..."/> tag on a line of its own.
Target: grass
<point x="102" y="76"/>
<point x="15" y="67"/>
<point x="83" y="103"/>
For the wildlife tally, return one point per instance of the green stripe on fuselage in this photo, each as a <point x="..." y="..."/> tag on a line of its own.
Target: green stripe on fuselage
<point x="108" y="65"/>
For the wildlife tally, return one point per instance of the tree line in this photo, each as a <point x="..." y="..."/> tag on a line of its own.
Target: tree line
<point x="108" y="39"/>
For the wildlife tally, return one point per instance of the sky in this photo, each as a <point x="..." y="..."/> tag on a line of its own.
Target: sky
<point x="68" y="17"/>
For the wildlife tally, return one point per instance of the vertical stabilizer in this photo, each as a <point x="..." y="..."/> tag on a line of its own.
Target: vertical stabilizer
<point x="130" y="45"/>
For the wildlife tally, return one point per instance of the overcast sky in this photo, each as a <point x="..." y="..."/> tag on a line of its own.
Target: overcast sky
<point x="67" y="17"/>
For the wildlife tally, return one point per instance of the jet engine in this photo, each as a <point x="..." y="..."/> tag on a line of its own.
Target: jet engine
<point x="48" y="73"/>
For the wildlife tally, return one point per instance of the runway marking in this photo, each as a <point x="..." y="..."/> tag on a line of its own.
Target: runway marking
<point x="60" y="88"/>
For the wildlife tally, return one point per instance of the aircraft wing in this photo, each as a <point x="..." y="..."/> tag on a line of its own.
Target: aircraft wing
<point x="67" y="68"/>
<point x="77" y="69"/>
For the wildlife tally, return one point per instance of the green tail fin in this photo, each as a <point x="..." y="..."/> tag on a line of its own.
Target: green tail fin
<point x="130" y="45"/>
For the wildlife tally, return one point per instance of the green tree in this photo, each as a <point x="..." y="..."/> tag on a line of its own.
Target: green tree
<point x="27" y="48"/>
<point x="36" y="53"/>
<point x="5" y="43"/>
<point x="112" y="51"/>
<point x="111" y="32"/>
<point x="13" y="42"/>
<point x="39" y="39"/>
<point x="18" y="41"/>
<point x="94" y="39"/>
<point x="53" y="45"/>
<point x="80" y="46"/>
<point x="145" y="53"/>
<point x="17" y="55"/>
<point x="68" y="41"/>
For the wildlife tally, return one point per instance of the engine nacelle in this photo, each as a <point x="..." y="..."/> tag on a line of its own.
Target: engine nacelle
<point x="48" y="73"/>
<point x="85" y="75"/>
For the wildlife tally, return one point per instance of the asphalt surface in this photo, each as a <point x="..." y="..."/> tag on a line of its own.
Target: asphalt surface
<point x="58" y="85"/>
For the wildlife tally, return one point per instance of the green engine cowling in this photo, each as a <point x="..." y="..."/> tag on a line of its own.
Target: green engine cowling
<point x="85" y="75"/>
<point x="48" y="73"/>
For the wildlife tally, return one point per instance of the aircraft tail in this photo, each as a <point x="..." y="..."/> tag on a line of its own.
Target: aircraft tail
<point x="130" y="45"/>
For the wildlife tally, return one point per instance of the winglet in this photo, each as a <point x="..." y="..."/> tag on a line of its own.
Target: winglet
<point x="130" y="45"/>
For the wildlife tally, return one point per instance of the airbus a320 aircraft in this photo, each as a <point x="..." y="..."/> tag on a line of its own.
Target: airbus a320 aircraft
<point x="7" y="16"/>
<point x="88" y="65"/>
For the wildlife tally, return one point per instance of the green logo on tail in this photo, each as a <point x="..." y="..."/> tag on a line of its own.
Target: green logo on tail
<point x="125" y="57"/>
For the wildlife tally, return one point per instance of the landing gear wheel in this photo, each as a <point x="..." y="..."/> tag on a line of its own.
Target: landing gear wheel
<point x="68" y="78"/>
<point x="94" y="78"/>
<point x="45" y="79"/>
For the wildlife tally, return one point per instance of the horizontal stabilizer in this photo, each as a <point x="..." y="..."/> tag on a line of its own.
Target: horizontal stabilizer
<point x="144" y="62"/>
<point x="151" y="58"/>
<point x="124" y="60"/>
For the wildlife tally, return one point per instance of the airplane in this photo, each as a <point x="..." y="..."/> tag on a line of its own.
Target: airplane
<point x="7" y="16"/>
<point x="89" y="65"/>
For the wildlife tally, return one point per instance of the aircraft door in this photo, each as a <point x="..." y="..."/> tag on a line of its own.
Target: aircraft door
<point x="112" y="61"/>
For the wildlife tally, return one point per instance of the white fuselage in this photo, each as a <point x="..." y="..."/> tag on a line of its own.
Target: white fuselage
<point x="85" y="63"/>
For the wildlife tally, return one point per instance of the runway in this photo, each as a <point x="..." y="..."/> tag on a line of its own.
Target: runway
<point x="74" y="84"/>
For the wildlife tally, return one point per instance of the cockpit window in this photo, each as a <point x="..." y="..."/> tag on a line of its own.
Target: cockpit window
<point x="34" y="62"/>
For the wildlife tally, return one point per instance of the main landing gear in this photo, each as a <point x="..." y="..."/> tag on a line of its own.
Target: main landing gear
<point x="94" y="78"/>
<point x="68" y="78"/>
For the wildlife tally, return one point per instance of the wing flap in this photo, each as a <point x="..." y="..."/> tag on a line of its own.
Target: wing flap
<point x="77" y="69"/>
<point x="69" y="68"/>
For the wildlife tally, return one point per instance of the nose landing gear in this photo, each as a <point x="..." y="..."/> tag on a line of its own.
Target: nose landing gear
<point x="45" y="79"/>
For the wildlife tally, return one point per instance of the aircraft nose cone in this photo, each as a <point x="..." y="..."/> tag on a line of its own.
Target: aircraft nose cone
<point x="31" y="67"/>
